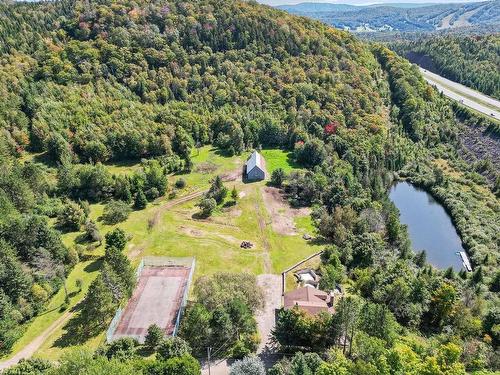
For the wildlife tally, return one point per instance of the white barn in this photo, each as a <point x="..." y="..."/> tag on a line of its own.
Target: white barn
<point x="254" y="167"/>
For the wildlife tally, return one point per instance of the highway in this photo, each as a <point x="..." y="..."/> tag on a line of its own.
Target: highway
<point x="466" y="96"/>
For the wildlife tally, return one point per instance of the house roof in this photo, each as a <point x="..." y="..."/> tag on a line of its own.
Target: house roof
<point x="255" y="160"/>
<point x="307" y="298"/>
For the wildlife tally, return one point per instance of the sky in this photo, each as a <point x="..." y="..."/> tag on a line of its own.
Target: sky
<point x="362" y="2"/>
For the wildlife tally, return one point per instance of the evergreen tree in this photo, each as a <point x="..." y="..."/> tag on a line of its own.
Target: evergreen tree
<point x="116" y="238"/>
<point x="98" y="305"/>
<point x="140" y="201"/>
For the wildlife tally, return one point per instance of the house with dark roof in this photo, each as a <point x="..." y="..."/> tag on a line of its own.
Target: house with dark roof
<point x="309" y="299"/>
<point x="254" y="167"/>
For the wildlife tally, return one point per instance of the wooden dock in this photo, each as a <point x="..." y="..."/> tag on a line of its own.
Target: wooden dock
<point x="465" y="261"/>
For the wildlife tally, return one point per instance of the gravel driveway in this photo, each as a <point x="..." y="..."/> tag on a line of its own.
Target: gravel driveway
<point x="271" y="284"/>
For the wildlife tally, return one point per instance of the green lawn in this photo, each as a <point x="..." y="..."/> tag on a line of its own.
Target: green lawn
<point x="279" y="159"/>
<point x="215" y="242"/>
<point x="122" y="168"/>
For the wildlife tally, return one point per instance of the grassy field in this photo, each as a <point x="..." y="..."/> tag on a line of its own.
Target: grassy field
<point x="279" y="159"/>
<point x="215" y="242"/>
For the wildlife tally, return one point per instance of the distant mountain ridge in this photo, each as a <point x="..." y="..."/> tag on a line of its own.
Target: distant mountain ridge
<point x="406" y="17"/>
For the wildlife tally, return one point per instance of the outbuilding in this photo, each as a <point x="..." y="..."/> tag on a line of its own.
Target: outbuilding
<point x="254" y="167"/>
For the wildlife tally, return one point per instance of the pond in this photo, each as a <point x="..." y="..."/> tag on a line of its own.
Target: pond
<point x="429" y="225"/>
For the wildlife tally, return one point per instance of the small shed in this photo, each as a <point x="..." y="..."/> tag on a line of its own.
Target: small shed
<point x="254" y="167"/>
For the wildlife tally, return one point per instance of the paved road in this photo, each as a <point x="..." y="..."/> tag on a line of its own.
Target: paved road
<point x="466" y="96"/>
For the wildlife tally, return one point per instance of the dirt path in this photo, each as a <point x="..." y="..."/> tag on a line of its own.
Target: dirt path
<point x="231" y="176"/>
<point x="176" y="202"/>
<point x="37" y="342"/>
<point x="263" y="234"/>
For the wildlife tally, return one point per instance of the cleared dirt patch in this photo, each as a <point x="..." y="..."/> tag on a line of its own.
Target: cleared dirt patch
<point x="235" y="212"/>
<point x="232" y="176"/>
<point x="229" y="238"/>
<point x="192" y="232"/>
<point x="282" y="215"/>
<point x="197" y="233"/>
<point x="206" y="167"/>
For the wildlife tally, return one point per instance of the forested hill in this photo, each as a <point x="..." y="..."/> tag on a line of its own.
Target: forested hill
<point x="201" y="61"/>
<point x="85" y="84"/>
<point x="470" y="60"/>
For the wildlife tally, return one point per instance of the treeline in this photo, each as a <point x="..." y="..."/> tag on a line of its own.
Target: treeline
<point x="470" y="60"/>
<point x="33" y="260"/>
<point x="169" y="356"/>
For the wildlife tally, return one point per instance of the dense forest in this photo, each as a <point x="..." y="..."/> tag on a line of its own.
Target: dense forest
<point x="87" y="83"/>
<point x="470" y="60"/>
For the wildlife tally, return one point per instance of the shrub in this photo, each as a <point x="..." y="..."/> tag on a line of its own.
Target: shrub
<point x="79" y="284"/>
<point x="184" y="365"/>
<point x="245" y="346"/>
<point x="154" y="337"/>
<point x="123" y="348"/>
<point x="173" y="347"/>
<point x="217" y="190"/>
<point x="207" y="206"/>
<point x="248" y="366"/>
<point x="115" y="212"/>
<point x="32" y="366"/>
<point x="71" y="217"/>
<point x="180" y="183"/>
<point x="234" y="193"/>
<point x="278" y="177"/>
<point x="92" y="232"/>
<point x="140" y="201"/>
<point x="152" y="194"/>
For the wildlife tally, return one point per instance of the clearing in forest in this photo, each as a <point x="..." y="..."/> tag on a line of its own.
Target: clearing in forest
<point x="169" y="227"/>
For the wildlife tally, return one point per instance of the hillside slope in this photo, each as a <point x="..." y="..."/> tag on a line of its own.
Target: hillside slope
<point x="404" y="19"/>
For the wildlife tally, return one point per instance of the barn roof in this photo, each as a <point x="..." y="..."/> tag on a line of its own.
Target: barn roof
<point x="255" y="160"/>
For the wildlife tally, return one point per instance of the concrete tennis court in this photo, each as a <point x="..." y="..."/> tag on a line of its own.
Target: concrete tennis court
<point x="157" y="299"/>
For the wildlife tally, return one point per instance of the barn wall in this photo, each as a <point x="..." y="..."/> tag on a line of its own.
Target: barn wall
<point x="256" y="174"/>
